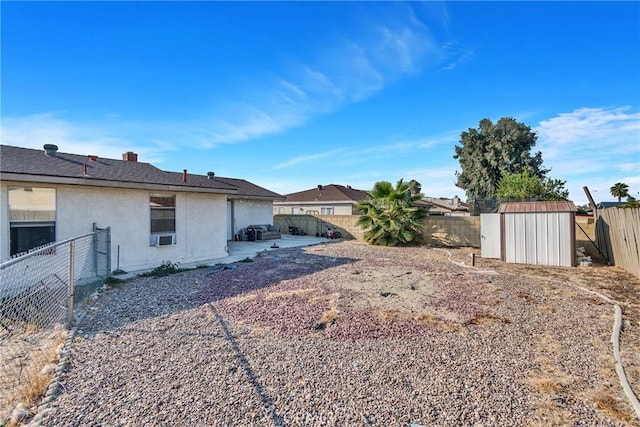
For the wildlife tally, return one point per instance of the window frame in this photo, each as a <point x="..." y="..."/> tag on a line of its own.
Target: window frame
<point x="162" y="218"/>
<point x="32" y="222"/>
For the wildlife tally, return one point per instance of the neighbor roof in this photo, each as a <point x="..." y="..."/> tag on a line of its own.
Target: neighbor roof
<point x="327" y="194"/>
<point x="606" y="205"/>
<point x="445" y="203"/>
<point x="527" y="207"/>
<point x="18" y="163"/>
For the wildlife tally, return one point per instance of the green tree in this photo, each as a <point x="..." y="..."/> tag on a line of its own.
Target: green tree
<point x="415" y="187"/>
<point x="524" y="185"/>
<point x="620" y="190"/>
<point x="490" y="151"/>
<point x="389" y="216"/>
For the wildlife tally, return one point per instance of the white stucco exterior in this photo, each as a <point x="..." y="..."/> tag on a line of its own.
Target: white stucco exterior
<point x="200" y="223"/>
<point x="313" y="208"/>
<point x="251" y="212"/>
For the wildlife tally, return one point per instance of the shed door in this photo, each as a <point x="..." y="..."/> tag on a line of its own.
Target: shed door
<point x="490" y="235"/>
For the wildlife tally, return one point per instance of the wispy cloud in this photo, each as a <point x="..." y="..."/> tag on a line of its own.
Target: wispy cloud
<point x="596" y="129"/>
<point x="347" y="71"/>
<point x="593" y="147"/>
<point x="48" y="128"/>
<point x="307" y="158"/>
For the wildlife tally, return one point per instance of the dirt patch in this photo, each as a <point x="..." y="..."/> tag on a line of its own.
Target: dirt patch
<point x="353" y="291"/>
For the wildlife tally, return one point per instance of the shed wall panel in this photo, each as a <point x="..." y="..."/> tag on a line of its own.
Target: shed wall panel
<point x="539" y="238"/>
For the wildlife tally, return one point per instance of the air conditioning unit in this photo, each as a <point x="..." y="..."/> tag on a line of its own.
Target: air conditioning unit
<point x="163" y="239"/>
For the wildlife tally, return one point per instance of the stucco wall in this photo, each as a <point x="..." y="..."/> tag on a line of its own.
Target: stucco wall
<point x="251" y="212"/>
<point x="200" y="224"/>
<point x="4" y="221"/>
<point x="338" y="208"/>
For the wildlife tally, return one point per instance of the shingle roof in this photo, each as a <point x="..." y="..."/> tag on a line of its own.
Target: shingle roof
<point x="528" y="207"/>
<point x="246" y="188"/>
<point x="326" y="194"/>
<point x="30" y="162"/>
<point x="446" y="203"/>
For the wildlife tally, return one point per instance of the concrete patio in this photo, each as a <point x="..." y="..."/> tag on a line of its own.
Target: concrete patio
<point x="246" y="249"/>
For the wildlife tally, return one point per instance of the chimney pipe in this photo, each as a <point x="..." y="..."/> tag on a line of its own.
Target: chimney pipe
<point x="184" y="175"/>
<point x="84" y="169"/>
<point x="50" y="150"/>
<point x="130" y="156"/>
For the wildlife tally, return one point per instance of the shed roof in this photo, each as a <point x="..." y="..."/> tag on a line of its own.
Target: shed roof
<point x="528" y="207"/>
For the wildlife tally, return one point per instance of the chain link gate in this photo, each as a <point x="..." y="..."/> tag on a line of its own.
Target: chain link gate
<point x="38" y="293"/>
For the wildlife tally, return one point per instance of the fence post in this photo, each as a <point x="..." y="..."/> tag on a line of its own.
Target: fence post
<point x="71" y="284"/>
<point x="108" y="243"/>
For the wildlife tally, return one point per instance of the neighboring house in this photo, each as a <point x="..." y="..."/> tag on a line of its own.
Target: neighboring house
<point x="607" y="205"/>
<point x="445" y="206"/>
<point x="329" y="199"/>
<point x="154" y="215"/>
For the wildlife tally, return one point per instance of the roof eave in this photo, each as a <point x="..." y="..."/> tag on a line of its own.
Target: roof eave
<point x="240" y="196"/>
<point x="94" y="182"/>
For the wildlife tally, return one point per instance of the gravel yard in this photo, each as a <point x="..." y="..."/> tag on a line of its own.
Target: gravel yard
<point x="350" y="334"/>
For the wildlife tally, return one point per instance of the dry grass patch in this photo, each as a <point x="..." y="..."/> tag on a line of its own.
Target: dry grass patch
<point x="525" y="296"/>
<point x="547" y="309"/>
<point x="422" y="319"/>
<point x="387" y="315"/>
<point x="290" y="294"/>
<point x="34" y="378"/>
<point x="242" y="298"/>
<point x="551" y="413"/>
<point x="331" y="299"/>
<point x="490" y="300"/>
<point x="482" y="317"/>
<point x="547" y="383"/>
<point x="327" y="319"/>
<point x="553" y="387"/>
<point x="611" y="406"/>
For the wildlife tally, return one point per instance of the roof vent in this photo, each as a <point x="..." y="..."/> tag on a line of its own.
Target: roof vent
<point x="50" y="150"/>
<point x="319" y="187"/>
<point x="210" y="175"/>
<point x="92" y="157"/>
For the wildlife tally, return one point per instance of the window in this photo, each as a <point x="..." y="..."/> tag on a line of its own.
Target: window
<point x="163" y="220"/>
<point x="326" y="211"/>
<point x="32" y="218"/>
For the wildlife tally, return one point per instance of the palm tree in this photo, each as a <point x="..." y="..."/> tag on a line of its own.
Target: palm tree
<point x="620" y="190"/>
<point x="389" y="216"/>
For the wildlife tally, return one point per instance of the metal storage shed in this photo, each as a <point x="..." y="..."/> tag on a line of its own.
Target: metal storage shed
<point x="541" y="233"/>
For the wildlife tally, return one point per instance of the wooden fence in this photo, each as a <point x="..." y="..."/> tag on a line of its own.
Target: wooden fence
<point x="618" y="237"/>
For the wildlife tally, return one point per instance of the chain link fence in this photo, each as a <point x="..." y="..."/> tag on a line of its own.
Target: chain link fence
<point x="39" y="293"/>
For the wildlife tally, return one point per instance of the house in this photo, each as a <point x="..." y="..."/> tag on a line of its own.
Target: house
<point x="607" y="205"/>
<point x="329" y="199"/>
<point x="154" y="215"/>
<point x="444" y="206"/>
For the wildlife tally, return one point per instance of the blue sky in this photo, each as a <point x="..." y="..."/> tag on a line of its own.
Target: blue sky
<point x="293" y="94"/>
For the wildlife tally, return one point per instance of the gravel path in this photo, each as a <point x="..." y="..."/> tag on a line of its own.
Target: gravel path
<point x="287" y="341"/>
